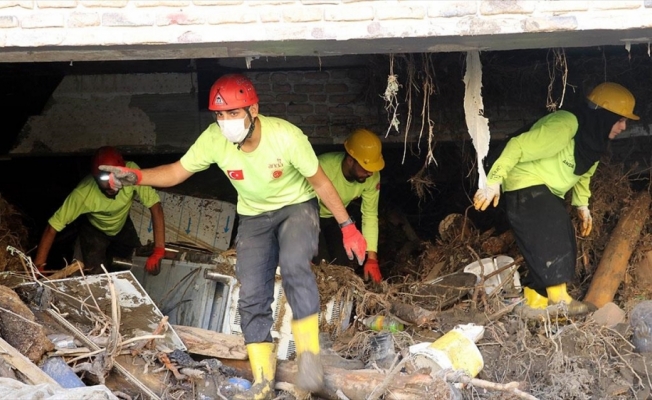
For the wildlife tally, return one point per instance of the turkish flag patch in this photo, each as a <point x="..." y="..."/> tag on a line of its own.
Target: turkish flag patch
<point x="236" y="175"/>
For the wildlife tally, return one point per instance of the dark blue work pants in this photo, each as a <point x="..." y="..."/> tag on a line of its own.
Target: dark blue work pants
<point x="286" y="238"/>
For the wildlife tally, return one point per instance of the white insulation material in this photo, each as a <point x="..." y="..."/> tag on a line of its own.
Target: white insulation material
<point x="474" y="110"/>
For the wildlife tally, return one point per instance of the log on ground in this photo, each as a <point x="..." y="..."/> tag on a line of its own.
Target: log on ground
<point x="360" y="384"/>
<point x="613" y="265"/>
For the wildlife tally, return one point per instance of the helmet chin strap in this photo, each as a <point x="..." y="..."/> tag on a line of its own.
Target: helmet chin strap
<point x="252" y="126"/>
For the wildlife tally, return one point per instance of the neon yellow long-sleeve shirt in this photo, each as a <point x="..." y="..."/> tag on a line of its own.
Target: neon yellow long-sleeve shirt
<point x="544" y="155"/>
<point x="369" y="191"/>
<point x="107" y="215"/>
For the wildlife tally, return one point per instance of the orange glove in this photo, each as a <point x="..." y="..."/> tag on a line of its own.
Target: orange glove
<point x="122" y="176"/>
<point x="371" y="269"/>
<point x="354" y="243"/>
<point x="153" y="264"/>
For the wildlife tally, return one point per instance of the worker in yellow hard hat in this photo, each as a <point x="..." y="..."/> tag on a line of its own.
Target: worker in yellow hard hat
<point x="536" y="169"/>
<point x="355" y="174"/>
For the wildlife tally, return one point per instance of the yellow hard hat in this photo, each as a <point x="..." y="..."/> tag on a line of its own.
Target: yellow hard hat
<point x="615" y="98"/>
<point x="364" y="146"/>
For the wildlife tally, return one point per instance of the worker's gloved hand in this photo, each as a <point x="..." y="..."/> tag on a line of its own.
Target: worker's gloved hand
<point x="372" y="269"/>
<point x="122" y="176"/>
<point x="354" y="243"/>
<point x="484" y="196"/>
<point x="587" y="220"/>
<point x="153" y="264"/>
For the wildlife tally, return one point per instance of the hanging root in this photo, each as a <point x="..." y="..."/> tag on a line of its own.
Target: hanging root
<point x="559" y="63"/>
<point x="390" y="96"/>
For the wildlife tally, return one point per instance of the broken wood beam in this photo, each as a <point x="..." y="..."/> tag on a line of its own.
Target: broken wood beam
<point x="211" y="343"/>
<point x="69" y="270"/>
<point x="118" y="365"/>
<point x="411" y="314"/>
<point x="359" y="384"/>
<point x="615" y="258"/>
<point x="34" y="374"/>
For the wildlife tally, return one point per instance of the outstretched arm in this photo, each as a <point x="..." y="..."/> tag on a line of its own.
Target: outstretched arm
<point x="354" y="242"/>
<point x="158" y="224"/>
<point x="328" y="195"/>
<point x="44" y="247"/>
<point x="153" y="264"/>
<point x="162" y="176"/>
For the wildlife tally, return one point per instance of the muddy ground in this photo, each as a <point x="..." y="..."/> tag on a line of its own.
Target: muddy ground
<point x="437" y="235"/>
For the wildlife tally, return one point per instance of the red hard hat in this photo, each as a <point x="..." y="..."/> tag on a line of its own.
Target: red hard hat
<point x="231" y="92"/>
<point x="106" y="155"/>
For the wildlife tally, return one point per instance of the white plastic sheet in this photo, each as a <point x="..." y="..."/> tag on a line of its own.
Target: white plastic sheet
<point x="477" y="124"/>
<point x="11" y="389"/>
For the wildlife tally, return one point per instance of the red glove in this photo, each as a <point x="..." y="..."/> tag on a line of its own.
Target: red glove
<point x="153" y="265"/>
<point x="354" y="243"/>
<point x="371" y="269"/>
<point x="122" y="176"/>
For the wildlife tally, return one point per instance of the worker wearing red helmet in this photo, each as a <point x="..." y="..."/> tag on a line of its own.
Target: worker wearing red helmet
<point x="105" y="229"/>
<point x="275" y="171"/>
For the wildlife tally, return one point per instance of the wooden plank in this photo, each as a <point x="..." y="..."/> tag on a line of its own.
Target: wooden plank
<point x="117" y="365"/>
<point x="359" y="384"/>
<point x="212" y="344"/>
<point x="21" y="363"/>
<point x="615" y="258"/>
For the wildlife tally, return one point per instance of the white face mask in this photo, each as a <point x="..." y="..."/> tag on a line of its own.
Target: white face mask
<point x="233" y="129"/>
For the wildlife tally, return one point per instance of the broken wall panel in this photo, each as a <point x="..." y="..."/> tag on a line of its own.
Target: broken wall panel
<point x="183" y="293"/>
<point x="84" y="300"/>
<point x="205" y="223"/>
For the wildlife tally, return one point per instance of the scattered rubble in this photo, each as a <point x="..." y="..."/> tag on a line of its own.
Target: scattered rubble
<point x="108" y="332"/>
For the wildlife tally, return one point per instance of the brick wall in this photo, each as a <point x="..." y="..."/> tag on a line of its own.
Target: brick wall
<point x="145" y="112"/>
<point x="326" y="105"/>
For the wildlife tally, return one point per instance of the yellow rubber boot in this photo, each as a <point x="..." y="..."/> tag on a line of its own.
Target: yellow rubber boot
<point x="534" y="300"/>
<point x="557" y="295"/>
<point x="534" y="306"/>
<point x="262" y="359"/>
<point x="310" y="375"/>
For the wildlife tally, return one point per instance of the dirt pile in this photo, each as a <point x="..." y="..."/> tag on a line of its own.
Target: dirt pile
<point x="13" y="234"/>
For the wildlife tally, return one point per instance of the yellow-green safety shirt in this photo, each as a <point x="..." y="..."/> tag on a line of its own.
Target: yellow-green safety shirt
<point x="107" y="215"/>
<point x="266" y="179"/>
<point x="369" y="191"/>
<point x="544" y="155"/>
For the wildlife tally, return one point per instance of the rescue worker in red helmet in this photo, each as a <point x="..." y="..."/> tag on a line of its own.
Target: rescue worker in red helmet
<point x="102" y="215"/>
<point x="275" y="171"/>
<point x="355" y="173"/>
<point x="560" y="152"/>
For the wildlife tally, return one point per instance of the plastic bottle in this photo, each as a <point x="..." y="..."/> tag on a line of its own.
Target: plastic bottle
<point x="380" y="323"/>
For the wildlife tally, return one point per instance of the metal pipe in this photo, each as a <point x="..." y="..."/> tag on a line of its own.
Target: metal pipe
<point x="214" y="276"/>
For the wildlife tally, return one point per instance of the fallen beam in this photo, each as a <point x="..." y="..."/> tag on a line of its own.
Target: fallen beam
<point x="34" y="374"/>
<point x="411" y="314"/>
<point x="615" y="258"/>
<point x="360" y="384"/>
<point x="212" y="344"/>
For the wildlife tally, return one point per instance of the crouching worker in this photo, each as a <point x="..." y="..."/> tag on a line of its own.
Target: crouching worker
<point x="275" y="171"/>
<point x="355" y="173"/>
<point x="105" y="228"/>
<point x="560" y="152"/>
